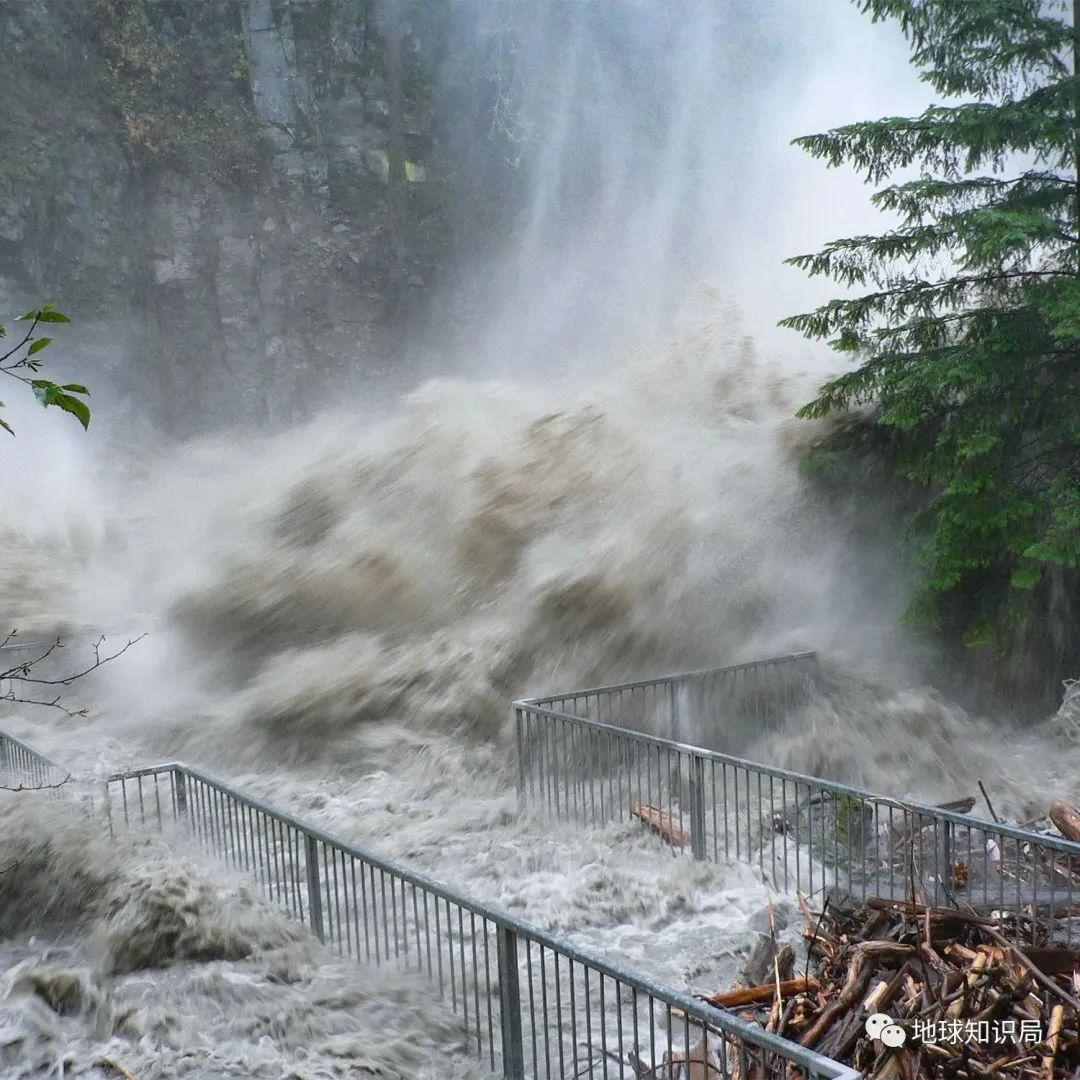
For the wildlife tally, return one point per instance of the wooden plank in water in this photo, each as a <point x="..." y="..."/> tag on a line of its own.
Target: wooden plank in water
<point x="661" y="822"/>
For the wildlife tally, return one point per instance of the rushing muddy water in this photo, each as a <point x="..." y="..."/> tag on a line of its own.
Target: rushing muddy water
<point x="338" y="619"/>
<point x="339" y="615"/>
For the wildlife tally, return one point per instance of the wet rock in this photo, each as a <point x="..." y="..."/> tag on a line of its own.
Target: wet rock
<point x="67" y="993"/>
<point x="172" y="917"/>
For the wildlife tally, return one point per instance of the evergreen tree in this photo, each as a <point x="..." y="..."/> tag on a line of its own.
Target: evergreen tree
<point x="967" y="342"/>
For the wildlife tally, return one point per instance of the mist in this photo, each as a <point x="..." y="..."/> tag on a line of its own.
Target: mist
<point x="368" y="463"/>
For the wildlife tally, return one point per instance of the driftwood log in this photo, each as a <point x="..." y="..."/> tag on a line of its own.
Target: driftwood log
<point x="961" y="1000"/>
<point x="1066" y="819"/>
<point x="662" y="823"/>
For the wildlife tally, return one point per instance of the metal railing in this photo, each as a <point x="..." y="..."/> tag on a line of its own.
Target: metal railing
<point x="530" y="1004"/>
<point x="713" y="708"/>
<point x="22" y="767"/>
<point x="579" y="759"/>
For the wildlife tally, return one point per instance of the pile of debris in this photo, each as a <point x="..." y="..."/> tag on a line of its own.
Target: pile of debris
<point x="902" y="991"/>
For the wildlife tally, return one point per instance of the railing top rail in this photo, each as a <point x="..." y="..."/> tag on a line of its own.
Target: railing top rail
<point x="42" y="761"/>
<point x="698" y="1010"/>
<point x="1066" y="846"/>
<point x="29" y="749"/>
<point x="660" y="680"/>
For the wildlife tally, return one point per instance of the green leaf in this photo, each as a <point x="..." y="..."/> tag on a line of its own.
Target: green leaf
<point x="1026" y="577"/>
<point x="6" y="427"/>
<point x="75" y="388"/>
<point x="77" y="408"/>
<point x="48" y="313"/>
<point x="37" y="346"/>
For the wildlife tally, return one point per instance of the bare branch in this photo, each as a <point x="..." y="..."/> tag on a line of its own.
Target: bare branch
<point x="21" y="672"/>
<point x="54" y="704"/>
<point x="26" y="665"/>
<point x="37" y="787"/>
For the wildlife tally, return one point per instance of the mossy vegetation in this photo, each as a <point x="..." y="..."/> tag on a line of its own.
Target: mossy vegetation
<point x="178" y="76"/>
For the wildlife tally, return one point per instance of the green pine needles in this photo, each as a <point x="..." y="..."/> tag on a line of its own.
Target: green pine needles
<point x="967" y="334"/>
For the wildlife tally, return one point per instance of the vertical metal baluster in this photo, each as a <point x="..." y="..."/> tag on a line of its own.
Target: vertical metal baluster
<point x="670" y="1029"/>
<point x="787" y="826"/>
<point x="686" y="1042"/>
<point x="256" y="865"/>
<point x="375" y="914"/>
<point x="1002" y="852"/>
<point x="544" y="1006"/>
<point x="588" y="1016"/>
<point x="532" y="1007"/>
<point x="573" y="1020"/>
<point x="337" y="901"/>
<point x="682" y="785"/>
<point x="761" y="836"/>
<point x="379" y="902"/>
<point x="427" y="936"/>
<point x="735" y="793"/>
<point x="653" y="1063"/>
<point x="603" y="1025"/>
<point x="357" y="909"/>
<point x="369" y="923"/>
<point x="749" y="853"/>
<point x="619" y="1029"/>
<point x="461" y="954"/>
<point x="476" y="982"/>
<point x="487" y="985"/>
<point x="450" y="949"/>
<point x="438" y="948"/>
<point x="294" y="848"/>
<point x="416" y="927"/>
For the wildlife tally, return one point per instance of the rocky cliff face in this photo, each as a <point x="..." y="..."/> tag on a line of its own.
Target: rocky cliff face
<point x="207" y="187"/>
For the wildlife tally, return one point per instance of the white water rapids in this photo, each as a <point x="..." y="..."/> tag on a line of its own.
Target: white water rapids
<point x="338" y="619"/>
<point x="339" y="615"/>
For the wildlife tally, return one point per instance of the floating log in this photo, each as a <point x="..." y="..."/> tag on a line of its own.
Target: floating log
<point x="751" y="995"/>
<point x="661" y="822"/>
<point x="1066" y="819"/>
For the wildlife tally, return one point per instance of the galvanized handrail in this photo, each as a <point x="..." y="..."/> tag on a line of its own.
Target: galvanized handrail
<point x="24" y="764"/>
<point x="582" y="755"/>
<point x="545" y="992"/>
<point x="907" y="806"/>
<point x="665" y="680"/>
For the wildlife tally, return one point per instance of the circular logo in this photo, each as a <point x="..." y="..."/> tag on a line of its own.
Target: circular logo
<point x="881" y="1026"/>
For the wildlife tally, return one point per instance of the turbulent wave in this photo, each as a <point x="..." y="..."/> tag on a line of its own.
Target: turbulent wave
<point x="339" y="617"/>
<point x="155" y="965"/>
<point x="485" y="540"/>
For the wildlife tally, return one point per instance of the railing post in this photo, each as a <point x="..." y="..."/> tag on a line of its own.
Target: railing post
<point x="947" y="876"/>
<point x="181" y="793"/>
<point x="519" y="722"/>
<point x="108" y="809"/>
<point x="675" y="712"/>
<point x="314" y="892"/>
<point x="697" y="807"/>
<point x="513" y="1048"/>
<point x="5" y="755"/>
